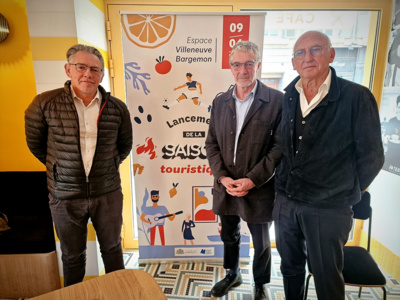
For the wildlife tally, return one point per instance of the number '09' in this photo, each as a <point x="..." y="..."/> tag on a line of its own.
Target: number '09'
<point x="236" y="27"/>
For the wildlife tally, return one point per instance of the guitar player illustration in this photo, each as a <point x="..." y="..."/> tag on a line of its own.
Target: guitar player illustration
<point x="154" y="216"/>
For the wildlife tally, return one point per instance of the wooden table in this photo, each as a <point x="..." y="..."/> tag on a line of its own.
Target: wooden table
<point x="122" y="284"/>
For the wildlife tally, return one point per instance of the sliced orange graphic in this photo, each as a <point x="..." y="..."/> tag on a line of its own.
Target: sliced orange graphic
<point x="149" y="31"/>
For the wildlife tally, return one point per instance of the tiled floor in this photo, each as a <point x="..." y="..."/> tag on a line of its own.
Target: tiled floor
<point x="195" y="280"/>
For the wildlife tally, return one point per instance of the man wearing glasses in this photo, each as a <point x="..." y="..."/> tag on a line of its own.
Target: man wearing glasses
<point x="243" y="150"/>
<point x="332" y="150"/>
<point x="82" y="134"/>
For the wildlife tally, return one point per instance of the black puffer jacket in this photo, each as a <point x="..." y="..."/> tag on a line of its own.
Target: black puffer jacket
<point x="52" y="135"/>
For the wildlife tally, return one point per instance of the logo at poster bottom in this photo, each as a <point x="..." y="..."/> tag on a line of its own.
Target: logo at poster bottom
<point x="201" y="251"/>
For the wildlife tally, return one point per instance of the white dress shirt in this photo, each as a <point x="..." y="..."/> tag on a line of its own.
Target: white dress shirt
<point x="323" y="90"/>
<point x="87" y="127"/>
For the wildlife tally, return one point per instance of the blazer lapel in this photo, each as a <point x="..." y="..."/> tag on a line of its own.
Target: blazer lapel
<point x="259" y="99"/>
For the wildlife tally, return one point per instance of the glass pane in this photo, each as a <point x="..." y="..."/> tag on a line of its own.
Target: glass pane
<point x="349" y="32"/>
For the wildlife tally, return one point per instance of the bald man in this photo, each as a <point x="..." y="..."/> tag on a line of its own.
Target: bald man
<point x="332" y="150"/>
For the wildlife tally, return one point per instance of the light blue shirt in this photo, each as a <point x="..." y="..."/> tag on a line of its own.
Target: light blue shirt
<point x="242" y="108"/>
<point x="158" y="211"/>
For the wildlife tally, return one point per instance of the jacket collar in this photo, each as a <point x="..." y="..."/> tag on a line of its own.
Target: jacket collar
<point x="261" y="97"/>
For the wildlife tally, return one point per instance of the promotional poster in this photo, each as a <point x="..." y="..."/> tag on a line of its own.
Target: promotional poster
<point x="175" y="65"/>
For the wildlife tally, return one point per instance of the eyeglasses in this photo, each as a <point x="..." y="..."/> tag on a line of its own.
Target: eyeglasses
<point x="314" y="51"/>
<point x="248" y="65"/>
<point x="81" y="68"/>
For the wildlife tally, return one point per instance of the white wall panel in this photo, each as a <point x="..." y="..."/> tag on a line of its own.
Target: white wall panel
<point x="50" y="5"/>
<point x="94" y="264"/>
<point x="106" y="81"/>
<point x="50" y="71"/>
<point x="90" y="23"/>
<point x="92" y="261"/>
<point x="52" y="24"/>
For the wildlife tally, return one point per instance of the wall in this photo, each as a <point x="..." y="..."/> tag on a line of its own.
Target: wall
<point x="17" y="88"/>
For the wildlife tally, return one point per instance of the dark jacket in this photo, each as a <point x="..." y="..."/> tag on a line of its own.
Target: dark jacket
<point x="341" y="148"/>
<point x="52" y="135"/>
<point x="258" y="152"/>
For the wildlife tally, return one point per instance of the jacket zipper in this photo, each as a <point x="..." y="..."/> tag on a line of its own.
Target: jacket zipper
<point x="87" y="187"/>
<point x="98" y="118"/>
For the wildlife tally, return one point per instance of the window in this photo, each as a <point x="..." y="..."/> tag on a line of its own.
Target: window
<point x="349" y="33"/>
<point x="290" y="33"/>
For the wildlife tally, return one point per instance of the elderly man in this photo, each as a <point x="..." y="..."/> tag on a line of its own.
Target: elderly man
<point x="332" y="150"/>
<point x="243" y="150"/>
<point x="81" y="134"/>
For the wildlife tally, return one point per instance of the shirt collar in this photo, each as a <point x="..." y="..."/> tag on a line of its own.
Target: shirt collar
<point x="96" y="97"/>
<point x="250" y="95"/>
<point x="307" y="107"/>
<point x="325" y="86"/>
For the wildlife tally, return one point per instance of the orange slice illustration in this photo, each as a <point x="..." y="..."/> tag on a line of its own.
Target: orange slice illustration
<point x="149" y="31"/>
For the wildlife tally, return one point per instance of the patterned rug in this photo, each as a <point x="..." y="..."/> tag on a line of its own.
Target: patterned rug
<point x="195" y="280"/>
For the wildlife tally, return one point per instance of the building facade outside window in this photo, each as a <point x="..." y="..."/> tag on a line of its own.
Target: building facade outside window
<point x="349" y="32"/>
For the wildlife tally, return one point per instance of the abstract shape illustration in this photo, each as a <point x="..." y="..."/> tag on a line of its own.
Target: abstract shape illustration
<point x="138" y="120"/>
<point x="147" y="148"/>
<point x="138" y="79"/>
<point x="203" y="213"/>
<point x="137" y="168"/>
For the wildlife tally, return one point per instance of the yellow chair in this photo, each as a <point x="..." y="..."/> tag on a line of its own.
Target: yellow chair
<point x="122" y="284"/>
<point x="28" y="275"/>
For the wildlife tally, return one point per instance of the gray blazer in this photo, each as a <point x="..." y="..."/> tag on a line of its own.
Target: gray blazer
<point x="258" y="153"/>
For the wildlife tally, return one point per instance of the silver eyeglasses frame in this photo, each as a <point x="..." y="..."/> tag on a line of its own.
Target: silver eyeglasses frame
<point x="81" y="68"/>
<point x="314" y="51"/>
<point x="248" y="65"/>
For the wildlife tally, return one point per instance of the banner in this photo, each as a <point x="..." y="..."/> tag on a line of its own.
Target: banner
<point x="390" y="101"/>
<point x="175" y="65"/>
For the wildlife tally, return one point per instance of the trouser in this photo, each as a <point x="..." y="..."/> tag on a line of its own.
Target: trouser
<point x="70" y="219"/>
<point x="230" y="235"/>
<point x="316" y="235"/>
<point x="153" y="234"/>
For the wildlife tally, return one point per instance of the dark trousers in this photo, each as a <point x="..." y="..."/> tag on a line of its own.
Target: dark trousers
<point x="230" y="235"/>
<point x="316" y="235"/>
<point x="70" y="219"/>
